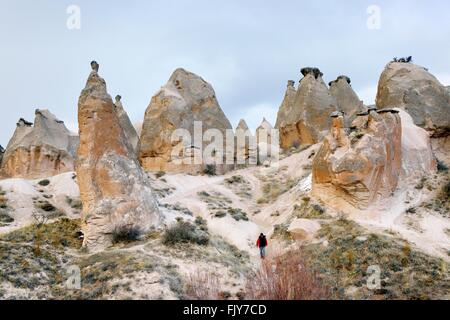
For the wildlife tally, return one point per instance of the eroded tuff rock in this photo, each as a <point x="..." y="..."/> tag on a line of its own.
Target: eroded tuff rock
<point x="44" y="149"/>
<point x="114" y="190"/>
<point x="2" y="151"/>
<point x="418" y="159"/>
<point x="308" y="122"/>
<point x="414" y="89"/>
<point x="245" y="145"/>
<point x="360" y="165"/>
<point x="284" y="118"/>
<point x="268" y="143"/>
<point x="125" y="123"/>
<point x="346" y="98"/>
<point x="185" y="99"/>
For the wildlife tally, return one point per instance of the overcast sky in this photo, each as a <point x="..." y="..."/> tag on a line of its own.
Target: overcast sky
<point x="246" y="49"/>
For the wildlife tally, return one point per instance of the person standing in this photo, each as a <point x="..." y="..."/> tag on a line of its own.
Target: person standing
<point x="262" y="243"/>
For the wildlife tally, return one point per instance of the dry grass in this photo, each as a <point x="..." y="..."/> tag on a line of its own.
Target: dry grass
<point x="286" y="277"/>
<point x="202" y="285"/>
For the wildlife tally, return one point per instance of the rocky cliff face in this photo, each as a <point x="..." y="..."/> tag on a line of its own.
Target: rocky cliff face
<point x="185" y="99"/>
<point x="308" y="121"/>
<point x="347" y="99"/>
<point x="127" y="126"/>
<point x="414" y="89"/>
<point x="114" y="190"/>
<point x="360" y="165"/>
<point x="41" y="150"/>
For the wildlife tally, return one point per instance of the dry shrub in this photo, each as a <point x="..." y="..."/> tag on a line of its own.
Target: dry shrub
<point x="286" y="277"/>
<point x="202" y="285"/>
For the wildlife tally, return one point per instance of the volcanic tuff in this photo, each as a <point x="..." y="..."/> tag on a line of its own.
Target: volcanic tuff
<point x="245" y="144"/>
<point x="125" y="123"/>
<point x="114" y="190"/>
<point x="414" y="89"/>
<point x="346" y="98"/>
<point x="308" y="121"/>
<point x="361" y="166"/>
<point x="41" y="150"/>
<point x="186" y="98"/>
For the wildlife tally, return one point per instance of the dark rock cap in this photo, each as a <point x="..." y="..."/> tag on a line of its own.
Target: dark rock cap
<point x="336" y="114"/>
<point x="23" y="122"/>
<point x="310" y="70"/>
<point x="94" y="65"/>
<point x="388" y="110"/>
<point x="340" y="78"/>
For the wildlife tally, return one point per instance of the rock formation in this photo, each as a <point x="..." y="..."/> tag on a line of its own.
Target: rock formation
<point x="347" y="100"/>
<point x="283" y="118"/>
<point x="414" y="89"/>
<point x="360" y="165"/>
<point x="44" y="149"/>
<point x="268" y="143"/>
<point x="2" y="151"/>
<point x="308" y="121"/>
<point x="127" y="126"/>
<point x="245" y="145"/>
<point x="417" y="155"/>
<point x="114" y="190"/>
<point x="185" y="101"/>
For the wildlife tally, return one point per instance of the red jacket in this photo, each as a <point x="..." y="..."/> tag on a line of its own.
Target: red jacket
<point x="259" y="242"/>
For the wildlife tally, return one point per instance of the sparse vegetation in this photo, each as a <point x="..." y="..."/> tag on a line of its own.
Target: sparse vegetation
<point x="275" y="188"/>
<point x="202" y="285"/>
<point x="240" y="186"/>
<point x="280" y="231"/>
<point x="126" y="233"/>
<point x="350" y="251"/>
<point x="286" y="277"/>
<point x="185" y="232"/>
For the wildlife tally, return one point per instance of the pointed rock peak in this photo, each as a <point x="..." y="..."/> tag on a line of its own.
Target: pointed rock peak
<point x="242" y="125"/>
<point x="2" y="150"/>
<point x="265" y="125"/>
<point x="313" y="71"/>
<point x="291" y="83"/>
<point x="95" y="85"/>
<point x="46" y="115"/>
<point x="95" y="66"/>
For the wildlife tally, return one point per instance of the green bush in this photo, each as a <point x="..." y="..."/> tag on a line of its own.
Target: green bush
<point x="185" y="232"/>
